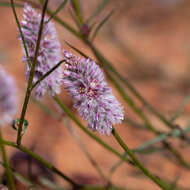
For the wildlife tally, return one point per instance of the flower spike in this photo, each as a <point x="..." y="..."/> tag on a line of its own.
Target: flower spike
<point x="92" y="96"/>
<point x="49" y="52"/>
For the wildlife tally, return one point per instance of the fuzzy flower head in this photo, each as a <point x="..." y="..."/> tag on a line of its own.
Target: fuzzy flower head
<point x="49" y="52"/>
<point x="8" y="97"/>
<point x="92" y="96"/>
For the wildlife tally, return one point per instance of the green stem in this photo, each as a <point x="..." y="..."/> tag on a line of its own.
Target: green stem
<point x="108" y="65"/>
<point x="138" y="163"/>
<point x="59" y="8"/>
<point x="84" y="129"/>
<point x="85" y="151"/>
<point x="148" y="125"/>
<point x="63" y="23"/>
<point x="6" y="164"/>
<point x="19" y="177"/>
<point x="45" y="75"/>
<point x="130" y="102"/>
<point x="174" y="152"/>
<point x="30" y="80"/>
<point x="54" y="169"/>
<point x="127" y="98"/>
<point x="41" y="160"/>
<point x="20" y="31"/>
<point x="76" y="7"/>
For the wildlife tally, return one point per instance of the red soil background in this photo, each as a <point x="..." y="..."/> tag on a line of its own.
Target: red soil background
<point x="148" y="42"/>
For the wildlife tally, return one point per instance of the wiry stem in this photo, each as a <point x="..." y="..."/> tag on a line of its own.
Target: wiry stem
<point x="148" y="125"/>
<point x="41" y="160"/>
<point x="135" y="160"/>
<point x="84" y="129"/>
<point x="21" y="33"/>
<point x="45" y="75"/>
<point x="138" y="163"/>
<point x="30" y="80"/>
<point x="85" y="151"/>
<point x="6" y="164"/>
<point x="55" y="170"/>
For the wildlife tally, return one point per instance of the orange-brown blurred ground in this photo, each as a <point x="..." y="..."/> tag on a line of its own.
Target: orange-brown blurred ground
<point x="148" y="42"/>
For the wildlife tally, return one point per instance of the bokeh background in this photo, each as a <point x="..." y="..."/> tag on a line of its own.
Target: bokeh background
<point x="148" y="41"/>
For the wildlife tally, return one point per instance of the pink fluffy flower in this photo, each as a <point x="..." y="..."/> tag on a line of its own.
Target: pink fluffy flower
<point x="49" y="52"/>
<point x="92" y="96"/>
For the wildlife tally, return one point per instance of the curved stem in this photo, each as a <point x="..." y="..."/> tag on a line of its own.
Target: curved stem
<point x="55" y="170"/>
<point x="138" y="163"/>
<point x="128" y="151"/>
<point x="6" y="164"/>
<point x="84" y="129"/>
<point x="85" y="151"/>
<point x="130" y="102"/>
<point x="21" y="33"/>
<point x="41" y="160"/>
<point x="149" y="126"/>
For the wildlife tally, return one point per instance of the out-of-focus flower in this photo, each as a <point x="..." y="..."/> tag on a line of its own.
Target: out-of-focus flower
<point x="92" y="96"/>
<point x="49" y="51"/>
<point x="8" y="97"/>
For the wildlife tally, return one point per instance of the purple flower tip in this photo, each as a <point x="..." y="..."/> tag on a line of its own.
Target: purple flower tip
<point x="8" y="97"/>
<point x="92" y="96"/>
<point x="49" y="52"/>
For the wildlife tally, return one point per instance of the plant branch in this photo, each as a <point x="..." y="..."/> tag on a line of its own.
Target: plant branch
<point x="84" y="129"/>
<point x="85" y="151"/>
<point x="6" y="164"/>
<point x="45" y="75"/>
<point x="138" y="163"/>
<point x="21" y="33"/>
<point x="30" y="80"/>
<point x="41" y="160"/>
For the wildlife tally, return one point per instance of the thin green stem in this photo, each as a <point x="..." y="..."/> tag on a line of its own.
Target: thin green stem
<point x="171" y="149"/>
<point x="85" y="151"/>
<point x="138" y="163"/>
<point x="7" y="4"/>
<point x="109" y="66"/>
<point x="149" y="143"/>
<point x="54" y="169"/>
<point x="84" y="129"/>
<point x="41" y="160"/>
<point x="77" y="9"/>
<point x="21" y="33"/>
<point x="130" y="102"/>
<point x="59" y="8"/>
<point x="141" y="148"/>
<point x="71" y="115"/>
<point x="97" y="11"/>
<point x="63" y="23"/>
<point x="45" y="75"/>
<point x="127" y="98"/>
<point x="19" y="177"/>
<point x="30" y="80"/>
<point x="6" y="163"/>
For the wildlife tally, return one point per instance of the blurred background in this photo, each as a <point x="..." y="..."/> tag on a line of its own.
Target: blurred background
<point x="148" y="43"/>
